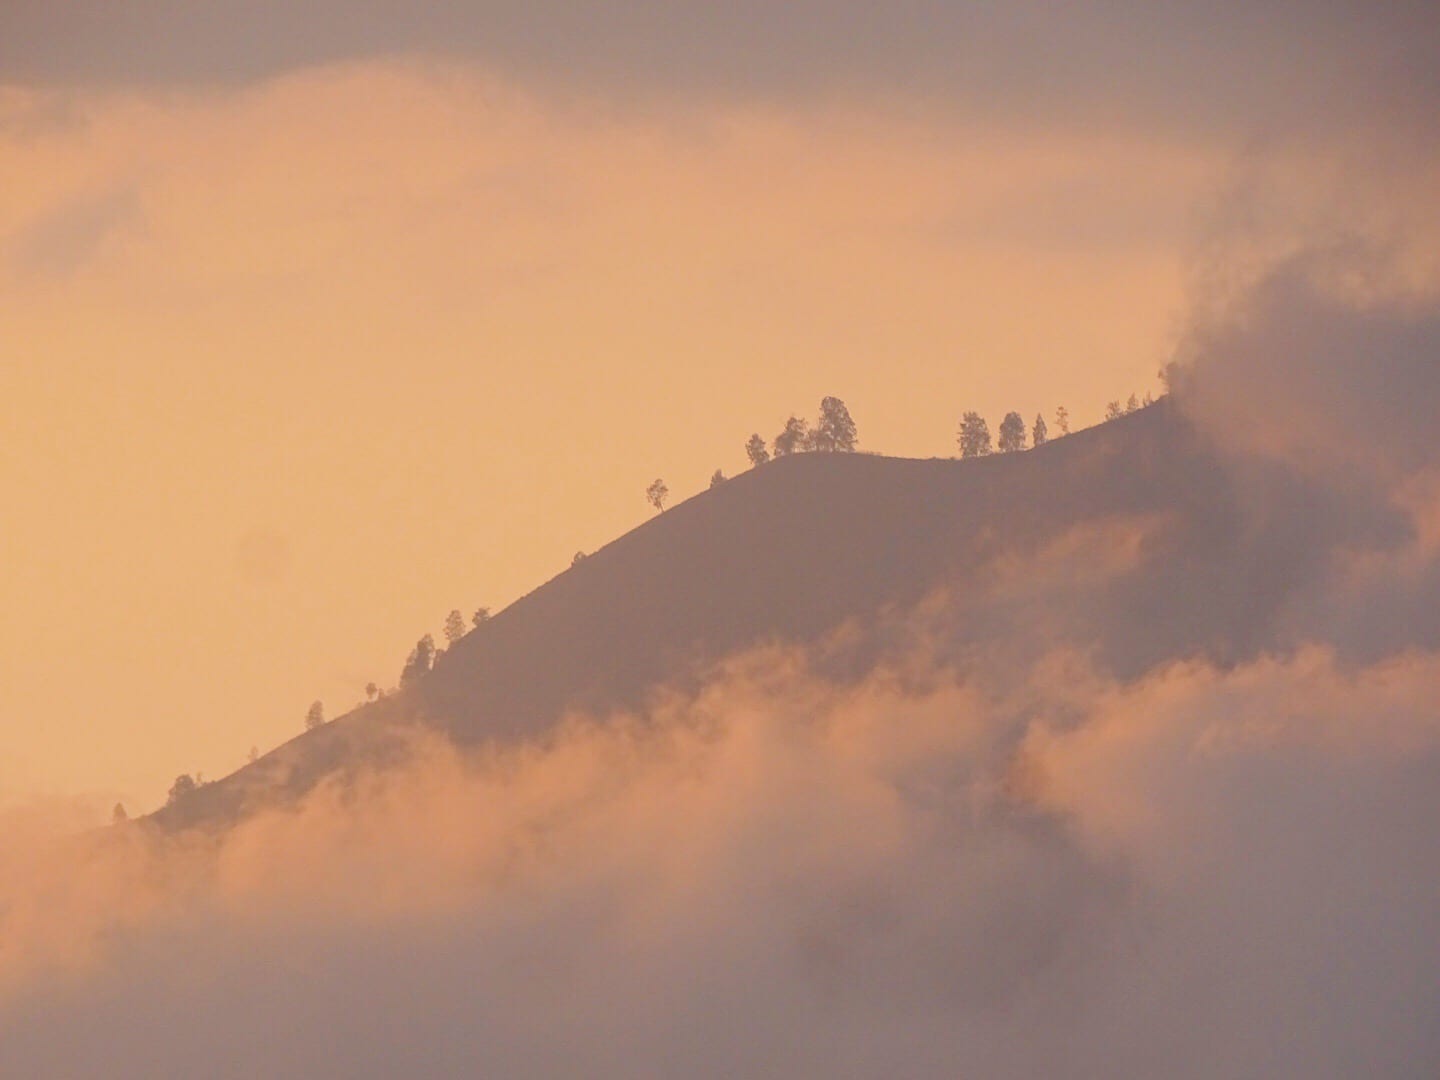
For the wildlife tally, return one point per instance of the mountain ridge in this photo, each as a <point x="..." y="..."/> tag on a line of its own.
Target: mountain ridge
<point x="782" y="553"/>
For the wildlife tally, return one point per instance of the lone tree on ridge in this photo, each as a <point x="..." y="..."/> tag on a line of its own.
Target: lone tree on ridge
<point x="974" y="436"/>
<point x="835" y="429"/>
<point x="420" y="660"/>
<point x="454" y="627"/>
<point x="755" y="450"/>
<point x="794" y="439"/>
<point x="1012" y="433"/>
<point x="184" y="784"/>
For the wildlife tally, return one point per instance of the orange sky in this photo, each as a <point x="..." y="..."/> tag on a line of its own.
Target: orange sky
<point x="290" y="369"/>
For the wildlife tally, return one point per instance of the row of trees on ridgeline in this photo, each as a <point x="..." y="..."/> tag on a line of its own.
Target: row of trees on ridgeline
<point x="421" y="660"/>
<point x="423" y="656"/>
<point x="1114" y="410"/>
<point x="834" y="432"/>
<point x="973" y="438"/>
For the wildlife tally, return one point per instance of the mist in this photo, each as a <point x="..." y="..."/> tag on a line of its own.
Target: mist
<point x="1201" y="873"/>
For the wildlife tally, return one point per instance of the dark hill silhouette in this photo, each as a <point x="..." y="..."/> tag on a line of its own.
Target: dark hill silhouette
<point x="793" y="549"/>
<point x="784" y="552"/>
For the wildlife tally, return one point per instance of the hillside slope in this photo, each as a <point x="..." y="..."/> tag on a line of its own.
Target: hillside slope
<point x="1165" y="547"/>
<point x="786" y="552"/>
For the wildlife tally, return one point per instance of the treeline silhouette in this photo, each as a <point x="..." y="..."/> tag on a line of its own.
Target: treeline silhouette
<point x="834" y="431"/>
<point x="973" y="436"/>
<point x="421" y="660"/>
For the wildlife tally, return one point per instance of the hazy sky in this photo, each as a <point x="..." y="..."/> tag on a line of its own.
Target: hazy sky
<point x="317" y="320"/>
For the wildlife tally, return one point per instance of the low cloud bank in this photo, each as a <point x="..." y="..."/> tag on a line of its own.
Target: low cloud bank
<point x="1200" y="873"/>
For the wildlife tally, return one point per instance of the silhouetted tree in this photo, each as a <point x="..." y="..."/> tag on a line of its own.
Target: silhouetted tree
<point x="657" y="493"/>
<point x="795" y="437"/>
<point x="1040" y="434"/>
<point x="254" y="755"/>
<point x="454" y="627"/>
<point x="1113" y="411"/>
<point x="717" y="478"/>
<point x="1147" y="400"/>
<point x="1062" y="420"/>
<point x="974" y="437"/>
<point x="371" y="690"/>
<point x="835" y="429"/>
<point x="118" y="815"/>
<point x="755" y="450"/>
<point x="420" y="660"/>
<point x="482" y="614"/>
<point x="314" y="716"/>
<point x="578" y="559"/>
<point x="184" y="785"/>
<point x="1132" y="404"/>
<point x="1012" y="433"/>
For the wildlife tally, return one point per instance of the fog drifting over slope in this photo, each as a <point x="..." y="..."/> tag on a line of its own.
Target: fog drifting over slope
<point x="1008" y="861"/>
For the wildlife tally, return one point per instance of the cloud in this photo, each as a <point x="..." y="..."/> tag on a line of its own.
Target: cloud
<point x="1269" y="801"/>
<point x="60" y="242"/>
<point x="1275" y="62"/>
<point x="1318" y="386"/>
<point x="1322" y="366"/>
<point x="1217" y="870"/>
<point x="29" y="115"/>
